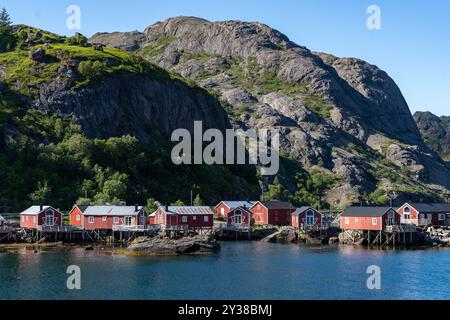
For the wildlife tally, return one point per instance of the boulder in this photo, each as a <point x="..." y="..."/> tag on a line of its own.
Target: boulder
<point x="287" y="235"/>
<point x="333" y="240"/>
<point x="37" y="54"/>
<point x="165" y="246"/>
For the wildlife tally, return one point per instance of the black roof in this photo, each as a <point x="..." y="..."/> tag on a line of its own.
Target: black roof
<point x="277" y="205"/>
<point x="366" y="211"/>
<point x="82" y="208"/>
<point x="431" y="207"/>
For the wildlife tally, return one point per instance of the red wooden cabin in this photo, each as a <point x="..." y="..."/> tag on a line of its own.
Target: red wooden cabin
<point x="306" y="218"/>
<point x="369" y="218"/>
<point x="224" y="207"/>
<point x="184" y="217"/>
<point x="240" y="216"/>
<point x="276" y="213"/>
<point x="37" y="217"/>
<point x="424" y="214"/>
<point x="108" y="217"/>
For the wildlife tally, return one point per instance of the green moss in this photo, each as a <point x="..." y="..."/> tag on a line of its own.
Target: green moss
<point x="157" y="48"/>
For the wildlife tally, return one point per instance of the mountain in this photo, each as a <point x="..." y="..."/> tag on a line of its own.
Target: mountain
<point x="436" y="132"/>
<point x="82" y="123"/>
<point x="347" y="134"/>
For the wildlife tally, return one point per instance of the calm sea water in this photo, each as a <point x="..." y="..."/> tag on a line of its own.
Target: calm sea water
<point x="239" y="271"/>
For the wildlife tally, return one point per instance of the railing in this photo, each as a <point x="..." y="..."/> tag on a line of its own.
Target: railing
<point x="425" y="222"/>
<point x="55" y="228"/>
<point x="235" y="226"/>
<point x="180" y="227"/>
<point x="400" y="228"/>
<point x="150" y="227"/>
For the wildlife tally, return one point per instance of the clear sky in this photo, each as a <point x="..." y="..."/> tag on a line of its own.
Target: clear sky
<point x="413" y="45"/>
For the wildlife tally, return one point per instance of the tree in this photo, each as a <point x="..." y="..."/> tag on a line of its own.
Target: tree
<point x="7" y="38"/>
<point x="178" y="203"/>
<point x="41" y="194"/>
<point x="151" y="206"/>
<point x="198" y="201"/>
<point x="5" y="19"/>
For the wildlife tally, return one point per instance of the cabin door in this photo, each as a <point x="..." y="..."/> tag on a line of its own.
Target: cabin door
<point x="49" y="219"/>
<point x="391" y="219"/>
<point x="310" y="218"/>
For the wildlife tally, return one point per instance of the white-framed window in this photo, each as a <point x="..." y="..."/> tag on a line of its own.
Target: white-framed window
<point x="356" y="219"/>
<point x="206" y="219"/>
<point x="441" y="217"/>
<point x="184" y="219"/>
<point x="374" y="221"/>
<point x="194" y="218"/>
<point x="128" y="221"/>
<point x="104" y="218"/>
<point x="23" y="218"/>
<point x="27" y="218"/>
<point x="407" y="213"/>
<point x="222" y="211"/>
<point x="347" y="220"/>
<point x="78" y="218"/>
<point x="116" y="220"/>
<point x="91" y="220"/>
<point x="34" y="219"/>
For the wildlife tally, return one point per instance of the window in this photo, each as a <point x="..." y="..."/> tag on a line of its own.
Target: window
<point x="206" y="219"/>
<point x="184" y="219"/>
<point x="116" y="220"/>
<point x="104" y="218"/>
<point x="23" y="218"/>
<point x="78" y="217"/>
<point x="222" y="211"/>
<point x="374" y="221"/>
<point x="356" y="220"/>
<point x="128" y="221"/>
<point x="91" y="220"/>
<point x="194" y="217"/>
<point x="441" y="217"/>
<point x="27" y="218"/>
<point x="347" y="220"/>
<point x="34" y="219"/>
<point x="407" y="213"/>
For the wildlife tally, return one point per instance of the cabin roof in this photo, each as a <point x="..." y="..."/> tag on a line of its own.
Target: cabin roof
<point x="366" y="211"/>
<point x="277" y="204"/>
<point x="303" y="209"/>
<point x="34" y="210"/>
<point x="431" y="207"/>
<point x="111" y="210"/>
<point x="189" y="210"/>
<point x="236" y="204"/>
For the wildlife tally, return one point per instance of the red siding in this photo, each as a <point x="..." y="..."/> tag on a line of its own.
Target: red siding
<point x="246" y="216"/>
<point x="415" y="216"/>
<point x="221" y="211"/>
<point x="260" y="214"/>
<point x="75" y="217"/>
<point x="192" y="220"/>
<point x="366" y="223"/>
<point x="300" y="219"/>
<point x="265" y="216"/>
<point x="32" y="221"/>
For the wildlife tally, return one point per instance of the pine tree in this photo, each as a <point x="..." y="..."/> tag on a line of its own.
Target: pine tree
<point x="5" y="19"/>
<point x="7" y="39"/>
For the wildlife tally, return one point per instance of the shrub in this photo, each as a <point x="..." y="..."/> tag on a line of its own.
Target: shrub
<point x="91" y="70"/>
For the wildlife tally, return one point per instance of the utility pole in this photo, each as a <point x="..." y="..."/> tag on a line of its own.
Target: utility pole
<point x="192" y="200"/>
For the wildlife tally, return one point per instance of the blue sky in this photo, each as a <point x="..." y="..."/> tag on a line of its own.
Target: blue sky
<point x="413" y="45"/>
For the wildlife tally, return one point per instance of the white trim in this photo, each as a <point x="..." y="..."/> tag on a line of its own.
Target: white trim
<point x="91" y="220"/>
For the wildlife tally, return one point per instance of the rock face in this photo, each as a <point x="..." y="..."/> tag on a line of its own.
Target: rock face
<point x="341" y="115"/>
<point x="133" y="104"/>
<point x="436" y="131"/>
<point x="158" y="246"/>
